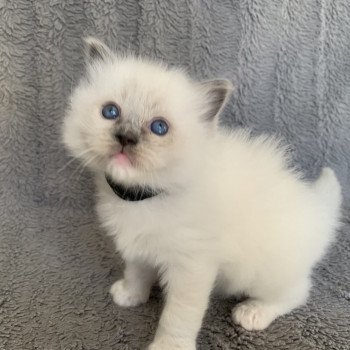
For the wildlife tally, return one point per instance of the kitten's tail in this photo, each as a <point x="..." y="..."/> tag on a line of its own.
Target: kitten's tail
<point x="328" y="191"/>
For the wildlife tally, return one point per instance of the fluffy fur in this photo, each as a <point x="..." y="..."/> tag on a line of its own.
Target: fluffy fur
<point x="231" y="214"/>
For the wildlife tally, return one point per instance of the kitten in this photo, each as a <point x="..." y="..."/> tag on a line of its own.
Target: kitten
<point x="193" y="204"/>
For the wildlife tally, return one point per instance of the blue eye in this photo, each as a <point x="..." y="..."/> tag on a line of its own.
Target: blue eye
<point x="159" y="127"/>
<point x="110" y="111"/>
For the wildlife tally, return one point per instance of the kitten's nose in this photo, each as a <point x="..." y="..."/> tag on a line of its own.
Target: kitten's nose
<point x="127" y="138"/>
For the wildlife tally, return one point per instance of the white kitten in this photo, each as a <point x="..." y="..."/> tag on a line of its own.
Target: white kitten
<point x="194" y="204"/>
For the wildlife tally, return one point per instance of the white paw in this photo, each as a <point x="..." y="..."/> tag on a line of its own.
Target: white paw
<point x="253" y="315"/>
<point x="125" y="296"/>
<point x="167" y="346"/>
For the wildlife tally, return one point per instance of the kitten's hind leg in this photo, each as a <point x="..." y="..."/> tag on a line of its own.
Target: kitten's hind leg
<point x="258" y="313"/>
<point x="135" y="287"/>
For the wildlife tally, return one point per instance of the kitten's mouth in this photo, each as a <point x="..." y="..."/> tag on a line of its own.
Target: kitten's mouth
<point x="122" y="159"/>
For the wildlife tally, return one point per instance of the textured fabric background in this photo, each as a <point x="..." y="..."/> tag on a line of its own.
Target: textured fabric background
<point x="290" y="63"/>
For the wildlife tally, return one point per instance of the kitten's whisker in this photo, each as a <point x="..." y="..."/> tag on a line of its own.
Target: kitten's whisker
<point x="65" y="166"/>
<point x="74" y="158"/>
<point x="82" y="166"/>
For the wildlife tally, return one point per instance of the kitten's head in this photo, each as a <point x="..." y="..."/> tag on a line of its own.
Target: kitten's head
<point x="137" y="121"/>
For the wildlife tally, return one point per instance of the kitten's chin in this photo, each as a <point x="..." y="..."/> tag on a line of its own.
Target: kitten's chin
<point x="121" y="169"/>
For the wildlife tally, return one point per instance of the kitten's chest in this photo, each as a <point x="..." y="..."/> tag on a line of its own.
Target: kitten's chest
<point x="140" y="229"/>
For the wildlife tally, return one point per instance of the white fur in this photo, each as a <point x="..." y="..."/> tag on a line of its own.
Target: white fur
<point x="232" y="214"/>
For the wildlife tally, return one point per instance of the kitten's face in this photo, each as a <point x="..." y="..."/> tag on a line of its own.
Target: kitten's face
<point x="137" y="121"/>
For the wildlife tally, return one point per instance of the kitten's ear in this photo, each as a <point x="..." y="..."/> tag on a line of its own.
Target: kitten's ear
<point x="96" y="50"/>
<point x="216" y="93"/>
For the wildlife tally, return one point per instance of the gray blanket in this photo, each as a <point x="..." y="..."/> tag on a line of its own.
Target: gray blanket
<point x="290" y="63"/>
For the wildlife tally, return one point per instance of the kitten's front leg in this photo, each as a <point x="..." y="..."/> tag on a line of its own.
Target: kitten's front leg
<point x="188" y="292"/>
<point x="135" y="287"/>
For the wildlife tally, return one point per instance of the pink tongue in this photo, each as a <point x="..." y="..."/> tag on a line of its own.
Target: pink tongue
<point x="122" y="159"/>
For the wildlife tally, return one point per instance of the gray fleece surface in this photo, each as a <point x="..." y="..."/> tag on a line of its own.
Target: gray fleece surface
<point x="290" y="63"/>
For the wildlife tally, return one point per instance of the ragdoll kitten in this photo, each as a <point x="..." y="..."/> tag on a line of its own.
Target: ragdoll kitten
<point x="193" y="204"/>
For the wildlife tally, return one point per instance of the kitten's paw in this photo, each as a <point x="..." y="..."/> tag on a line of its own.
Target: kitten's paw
<point x="253" y="315"/>
<point x="125" y="296"/>
<point x="167" y="346"/>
